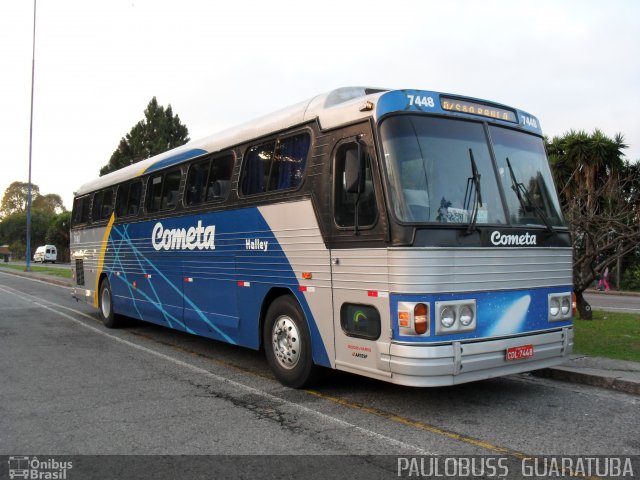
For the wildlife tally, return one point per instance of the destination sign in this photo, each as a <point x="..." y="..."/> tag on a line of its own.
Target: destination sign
<point x="475" y="108"/>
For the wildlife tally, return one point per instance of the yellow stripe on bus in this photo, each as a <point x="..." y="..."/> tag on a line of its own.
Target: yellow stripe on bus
<point x="103" y="250"/>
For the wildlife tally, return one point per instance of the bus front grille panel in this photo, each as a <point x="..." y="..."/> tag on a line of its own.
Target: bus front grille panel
<point x="444" y="270"/>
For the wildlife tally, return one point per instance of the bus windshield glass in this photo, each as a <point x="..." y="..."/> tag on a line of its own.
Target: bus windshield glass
<point x="430" y="164"/>
<point x="525" y="177"/>
<point x="435" y="165"/>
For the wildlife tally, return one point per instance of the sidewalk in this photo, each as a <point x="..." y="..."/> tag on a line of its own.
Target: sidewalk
<point x="624" y="293"/>
<point x="598" y="372"/>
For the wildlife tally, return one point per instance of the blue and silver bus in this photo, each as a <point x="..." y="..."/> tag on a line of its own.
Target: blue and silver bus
<point x="406" y="235"/>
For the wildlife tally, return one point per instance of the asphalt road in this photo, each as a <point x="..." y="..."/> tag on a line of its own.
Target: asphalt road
<point x="613" y="303"/>
<point x="71" y="386"/>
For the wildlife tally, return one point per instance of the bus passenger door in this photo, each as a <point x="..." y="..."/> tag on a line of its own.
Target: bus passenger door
<point x="359" y="260"/>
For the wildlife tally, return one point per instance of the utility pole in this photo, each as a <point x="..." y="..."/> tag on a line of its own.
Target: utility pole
<point x="33" y="74"/>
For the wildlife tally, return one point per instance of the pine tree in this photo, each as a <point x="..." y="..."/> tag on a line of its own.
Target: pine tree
<point x="159" y="131"/>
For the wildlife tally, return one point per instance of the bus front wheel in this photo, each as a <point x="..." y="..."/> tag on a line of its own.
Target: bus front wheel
<point x="109" y="318"/>
<point x="287" y="343"/>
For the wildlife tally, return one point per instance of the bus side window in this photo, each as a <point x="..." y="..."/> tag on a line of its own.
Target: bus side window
<point x="196" y="181"/>
<point x="96" y="211"/>
<point x="275" y="165"/>
<point x="345" y="202"/>
<point x="133" y="202"/>
<point x="81" y="210"/>
<point x="121" y="200"/>
<point x="128" y="199"/>
<point x="154" y="193"/>
<point x="256" y="168"/>
<point x="162" y="190"/>
<point x="170" y="189"/>
<point x="218" y="184"/>
<point x="107" y="203"/>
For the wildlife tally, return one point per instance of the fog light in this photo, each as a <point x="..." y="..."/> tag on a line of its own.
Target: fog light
<point x="466" y="315"/>
<point x="447" y="317"/>
<point x="565" y="306"/>
<point x="554" y="307"/>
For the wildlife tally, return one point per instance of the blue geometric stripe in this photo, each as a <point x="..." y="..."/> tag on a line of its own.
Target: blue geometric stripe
<point x="186" y="299"/>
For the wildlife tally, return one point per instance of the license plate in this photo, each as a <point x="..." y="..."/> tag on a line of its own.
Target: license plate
<point x="520" y="352"/>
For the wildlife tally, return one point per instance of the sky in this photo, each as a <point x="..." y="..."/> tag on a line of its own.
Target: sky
<point x="98" y="63"/>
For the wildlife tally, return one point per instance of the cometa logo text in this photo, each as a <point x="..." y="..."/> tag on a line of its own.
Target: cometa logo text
<point x="198" y="237"/>
<point x="498" y="238"/>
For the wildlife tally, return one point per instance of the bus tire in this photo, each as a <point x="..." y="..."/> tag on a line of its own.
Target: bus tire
<point x="287" y="343"/>
<point x="109" y="318"/>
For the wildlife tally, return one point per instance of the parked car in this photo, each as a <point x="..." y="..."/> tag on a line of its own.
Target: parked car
<point x="46" y="253"/>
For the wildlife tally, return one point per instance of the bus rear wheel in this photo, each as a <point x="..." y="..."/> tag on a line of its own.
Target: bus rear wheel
<point x="287" y="343"/>
<point x="109" y="318"/>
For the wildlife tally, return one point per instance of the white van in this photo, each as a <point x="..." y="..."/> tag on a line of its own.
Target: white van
<point x="46" y="253"/>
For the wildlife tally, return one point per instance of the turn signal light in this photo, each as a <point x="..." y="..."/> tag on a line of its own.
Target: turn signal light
<point x="403" y="319"/>
<point x="574" y="304"/>
<point x="420" y="318"/>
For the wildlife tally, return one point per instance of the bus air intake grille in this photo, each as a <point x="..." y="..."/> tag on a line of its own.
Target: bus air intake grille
<point x="79" y="272"/>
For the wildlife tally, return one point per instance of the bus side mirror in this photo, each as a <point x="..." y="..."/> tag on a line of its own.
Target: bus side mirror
<point x="354" y="170"/>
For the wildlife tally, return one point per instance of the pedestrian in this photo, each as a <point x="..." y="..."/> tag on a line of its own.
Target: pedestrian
<point x="605" y="279"/>
<point x="598" y="281"/>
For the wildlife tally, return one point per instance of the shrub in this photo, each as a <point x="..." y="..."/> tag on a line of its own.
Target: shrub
<point x="631" y="278"/>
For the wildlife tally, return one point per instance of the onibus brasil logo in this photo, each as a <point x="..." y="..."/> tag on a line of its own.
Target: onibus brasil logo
<point x="35" y="469"/>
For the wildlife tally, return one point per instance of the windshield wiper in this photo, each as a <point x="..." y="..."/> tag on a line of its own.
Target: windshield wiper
<point x="520" y="189"/>
<point x="473" y="183"/>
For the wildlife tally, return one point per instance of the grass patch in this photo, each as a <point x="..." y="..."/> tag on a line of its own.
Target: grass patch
<point x="58" y="272"/>
<point x="610" y="335"/>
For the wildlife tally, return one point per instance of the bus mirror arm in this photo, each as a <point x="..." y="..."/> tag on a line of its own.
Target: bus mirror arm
<point x="354" y="170"/>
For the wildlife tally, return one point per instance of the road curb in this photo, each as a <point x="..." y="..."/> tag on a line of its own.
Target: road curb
<point x="592" y="378"/>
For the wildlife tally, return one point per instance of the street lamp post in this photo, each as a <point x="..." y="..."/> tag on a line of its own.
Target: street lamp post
<point x="33" y="73"/>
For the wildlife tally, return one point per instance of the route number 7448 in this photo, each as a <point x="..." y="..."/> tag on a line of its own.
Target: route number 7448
<point x="421" y="101"/>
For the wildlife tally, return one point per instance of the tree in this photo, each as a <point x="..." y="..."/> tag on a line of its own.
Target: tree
<point x="51" y="202"/>
<point x="15" y="197"/>
<point x="599" y="196"/>
<point x="58" y="234"/>
<point x="12" y="230"/>
<point x="159" y="131"/>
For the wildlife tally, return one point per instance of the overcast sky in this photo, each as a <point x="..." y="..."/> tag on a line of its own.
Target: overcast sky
<point x="573" y="64"/>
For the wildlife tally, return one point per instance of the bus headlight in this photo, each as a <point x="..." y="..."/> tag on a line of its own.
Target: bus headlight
<point x="466" y="315"/>
<point x="455" y="316"/>
<point x="560" y="306"/>
<point x="447" y="317"/>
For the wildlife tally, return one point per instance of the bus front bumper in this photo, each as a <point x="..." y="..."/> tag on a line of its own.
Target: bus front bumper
<point x="82" y="294"/>
<point x="461" y="362"/>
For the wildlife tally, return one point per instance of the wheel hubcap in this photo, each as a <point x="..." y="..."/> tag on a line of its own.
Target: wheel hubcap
<point x="286" y="342"/>
<point x="106" y="303"/>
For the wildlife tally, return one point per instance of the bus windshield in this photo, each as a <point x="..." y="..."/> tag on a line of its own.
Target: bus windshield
<point x="440" y="171"/>
<point x="525" y="177"/>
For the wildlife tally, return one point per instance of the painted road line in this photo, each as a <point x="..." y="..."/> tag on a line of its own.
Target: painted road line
<point x="202" y="371"/>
